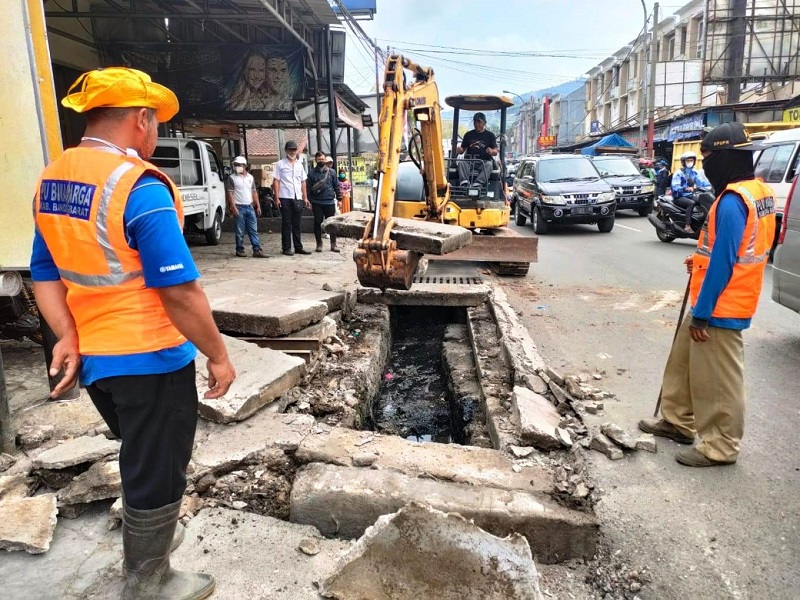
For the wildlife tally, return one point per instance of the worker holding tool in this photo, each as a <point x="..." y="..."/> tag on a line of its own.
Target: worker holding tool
<point x="703" y="387"/>
<point x="114" y="278"/>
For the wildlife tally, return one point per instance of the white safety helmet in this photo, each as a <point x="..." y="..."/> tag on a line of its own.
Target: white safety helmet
<point x="240" y="160"/>
<point x="686" y="156"/>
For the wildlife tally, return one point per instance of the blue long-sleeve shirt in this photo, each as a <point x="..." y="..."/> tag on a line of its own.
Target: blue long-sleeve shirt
<point x="731" y="220"/>
<point x="680" y="181"/>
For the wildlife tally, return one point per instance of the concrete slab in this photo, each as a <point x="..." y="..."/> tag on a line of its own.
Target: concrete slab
<point x="442" y="462"/>
<point x="100" y="482"/>
<point x="225" y="448"/>
<point x="252" y="307"/>
<point x="536" y="419"/>
<point x="419" y="552"/>
<point x="333" y="298"/>
<point x="15" y="487"/>
<point x="318" y="331"/>
<point x="263" y="375"/>
<point x="28" y="524"/>
<point x="343" y="502"/>
<point x="410" y="234"/>
<point x="75" y="452"/>
<point x="427" y="294"/>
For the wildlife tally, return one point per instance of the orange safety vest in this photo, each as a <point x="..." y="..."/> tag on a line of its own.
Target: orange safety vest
<point x="740" y="297"/>
<point x="78" y="208"/>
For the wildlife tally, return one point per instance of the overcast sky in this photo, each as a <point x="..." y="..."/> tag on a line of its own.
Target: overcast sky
<point x="583" y="32"/>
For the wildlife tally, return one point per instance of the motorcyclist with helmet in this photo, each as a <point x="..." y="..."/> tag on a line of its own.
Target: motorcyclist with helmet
<point x="663" y="179"/>
<point x="685" y="182"/>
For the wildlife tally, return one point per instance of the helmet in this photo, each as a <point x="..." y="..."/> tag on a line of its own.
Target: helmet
<point x="661" y="163"/>
<point x="686" y="156"/>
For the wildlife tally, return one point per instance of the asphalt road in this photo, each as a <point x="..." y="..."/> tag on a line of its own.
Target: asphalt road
<point x="610" y="302"/>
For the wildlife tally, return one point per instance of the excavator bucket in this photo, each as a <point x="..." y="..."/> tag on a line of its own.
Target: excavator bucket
<point x="390" y="268"/>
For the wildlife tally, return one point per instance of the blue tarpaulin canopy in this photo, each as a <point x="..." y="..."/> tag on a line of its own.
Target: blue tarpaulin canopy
<point x="610" y="141"/>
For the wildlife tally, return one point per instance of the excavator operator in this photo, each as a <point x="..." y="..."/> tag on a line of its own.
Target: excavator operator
<point x="478" y="143"/>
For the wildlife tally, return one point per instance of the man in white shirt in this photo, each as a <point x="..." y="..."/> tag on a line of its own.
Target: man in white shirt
<point x="243" y="204"/>
<point x="289" y="189"/>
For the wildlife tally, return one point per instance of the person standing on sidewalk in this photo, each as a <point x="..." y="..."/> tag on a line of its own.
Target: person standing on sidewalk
<point x="114" y="278"/>
<point x="703" y="387"/>
<point x="347" y="189"/>
<point x="324" y="192"/>
<point x="289" y="188"/>
<point x="243" y="203"/>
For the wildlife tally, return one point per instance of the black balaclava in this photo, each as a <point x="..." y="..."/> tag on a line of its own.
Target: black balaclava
<point x="724" y="167"/>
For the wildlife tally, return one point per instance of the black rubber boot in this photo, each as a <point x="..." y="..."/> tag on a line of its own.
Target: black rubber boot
<point x="147" y="538"/>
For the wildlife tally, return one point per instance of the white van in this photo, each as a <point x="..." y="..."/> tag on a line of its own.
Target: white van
<point x="777" y="165"/>
<point x="786" y="268"/>
<point x="197" y="171"/>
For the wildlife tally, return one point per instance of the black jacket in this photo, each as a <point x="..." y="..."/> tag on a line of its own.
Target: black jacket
<point x="663" y="179"/>
<point x="326" y="184"/>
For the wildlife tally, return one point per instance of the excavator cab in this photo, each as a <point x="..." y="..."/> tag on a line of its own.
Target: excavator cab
<point x="474" y="204"/>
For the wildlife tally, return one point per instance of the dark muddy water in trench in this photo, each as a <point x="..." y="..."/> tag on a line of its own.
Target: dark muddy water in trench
<point x="413" y="400"/>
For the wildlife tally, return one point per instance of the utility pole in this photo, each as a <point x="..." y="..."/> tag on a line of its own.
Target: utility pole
<point x="736" y="34"/>
<point x="651" y="102"/>
<point x="331" y="94"/>
<point x="377" y="72"/>
<point x="642" y="88"/>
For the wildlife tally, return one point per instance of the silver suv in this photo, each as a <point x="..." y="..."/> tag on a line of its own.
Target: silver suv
<point x="786" y="266"/>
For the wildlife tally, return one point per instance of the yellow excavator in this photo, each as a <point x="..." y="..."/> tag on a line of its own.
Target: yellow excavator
<point x="424" y="196"/>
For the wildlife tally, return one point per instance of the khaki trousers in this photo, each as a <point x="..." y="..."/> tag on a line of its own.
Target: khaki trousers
<point x="703" y="390"/>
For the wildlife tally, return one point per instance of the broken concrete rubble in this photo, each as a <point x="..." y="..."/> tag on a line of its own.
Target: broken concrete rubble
<point x="618" y="435"/>
<point x="100" y="482"/>
<point x="536" y="419"/>
<point x="33" y="436"/>
<point x="343" y="502"/>
<point x="263" y="376"/>
<point x="84" y="449"/>
<point x="6" y="460"/>
<point x="410" y="234"/>
<point x="647" y="442"/>
<point x="419" y="552"/>
<point x="519" y="349"/>
<point x="28" y="524"/>
<point x="604" y="445"/>
<point x="15" y="487"/>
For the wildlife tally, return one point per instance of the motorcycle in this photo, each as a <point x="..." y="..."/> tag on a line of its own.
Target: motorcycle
<point x="669" y="218"/>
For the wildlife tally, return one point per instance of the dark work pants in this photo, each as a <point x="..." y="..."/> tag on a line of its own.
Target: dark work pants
<point x="291" y="213"/>
<point x="322" y="212"/>
<point x="156" y="417"/>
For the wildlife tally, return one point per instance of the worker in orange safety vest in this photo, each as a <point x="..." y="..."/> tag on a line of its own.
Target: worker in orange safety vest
<point x="115" y="280"/>
<point x="703" y="390"/>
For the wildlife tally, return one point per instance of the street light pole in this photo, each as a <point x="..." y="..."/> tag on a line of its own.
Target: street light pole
<point x="524" y="144"/>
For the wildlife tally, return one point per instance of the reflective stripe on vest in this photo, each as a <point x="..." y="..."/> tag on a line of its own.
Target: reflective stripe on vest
<point x="116" y="274"/>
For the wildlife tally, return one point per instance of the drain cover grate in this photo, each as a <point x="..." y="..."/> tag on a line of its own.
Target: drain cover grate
<point x="448" y="279"/>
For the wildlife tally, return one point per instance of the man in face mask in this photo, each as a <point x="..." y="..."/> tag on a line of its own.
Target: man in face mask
<point x="240" y="189"/>
<point x="703" y="387"/>
<point x="323" y="191"/>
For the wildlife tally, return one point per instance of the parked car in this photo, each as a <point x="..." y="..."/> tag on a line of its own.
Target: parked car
<point x="777" y="166"/>
<point x="633" y="190"/>
<point x="197" y="171"/>
<point x="786" y="266"/>
<point x="562" y="188"/>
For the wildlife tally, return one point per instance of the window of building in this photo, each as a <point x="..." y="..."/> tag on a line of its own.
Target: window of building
<point x="699" y="48"/>
<point x="616" y="76"/>
<point x="670" y="47"/>
<point x="684" y="40"/>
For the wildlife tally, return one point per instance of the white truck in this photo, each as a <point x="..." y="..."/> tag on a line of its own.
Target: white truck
<point x="197" y="171"/>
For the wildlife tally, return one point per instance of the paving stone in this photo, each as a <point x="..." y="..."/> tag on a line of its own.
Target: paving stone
<point x="618" y="435"/>
<point x="28" y="524"/>
<point x="410" y="234"/>
<point x="228" y="447"/>
<point x="252" y="307"/>
<point x="76" y="451"/>
<point x="427" y="294"/>
<point x="101" y="481"/>
<point x="263" y="375"/>
<point x="33" y="436"/>
<point x="15" y="487"/>
<point x="254" y="556"/>
<point x="419" y="552"/>
<point x="536" y="419"/>
<point x="604" y="445"/>
<point x="443" y="462"/>
<point x="647" y="442"/>
<point x="344" y="501"/>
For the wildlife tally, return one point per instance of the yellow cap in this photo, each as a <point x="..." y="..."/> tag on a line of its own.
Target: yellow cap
<point x="121" y="87"/>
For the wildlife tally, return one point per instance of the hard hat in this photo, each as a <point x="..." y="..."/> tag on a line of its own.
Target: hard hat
<point x="240" y="160"/>
<point x="121" y="87"/>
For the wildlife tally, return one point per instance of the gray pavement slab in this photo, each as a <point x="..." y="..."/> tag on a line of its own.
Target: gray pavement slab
<point x="76" y="451"/>
<point x="263" y="375"/>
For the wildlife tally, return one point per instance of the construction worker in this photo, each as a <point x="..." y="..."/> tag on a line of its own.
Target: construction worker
<point x="703" y="388"/>
<point x="115" y="280"/>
